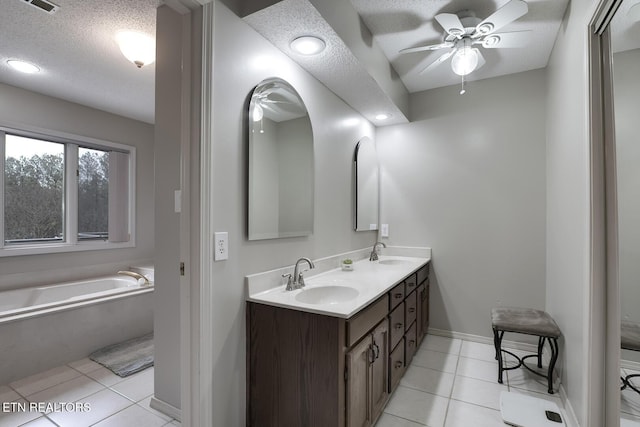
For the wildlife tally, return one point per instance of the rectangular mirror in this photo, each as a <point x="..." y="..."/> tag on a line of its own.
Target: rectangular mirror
<point x="366" y="185"/>
<point x="281" y="188"/>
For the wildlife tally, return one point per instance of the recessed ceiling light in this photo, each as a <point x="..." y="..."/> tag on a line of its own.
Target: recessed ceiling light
<point x="22" y="66"/>
<point x="308" y="45"/>
<point x="382" y="116"/>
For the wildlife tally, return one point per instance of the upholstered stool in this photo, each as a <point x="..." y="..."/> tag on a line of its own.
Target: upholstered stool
<point x="629" y="340"/>
<point x="525" y="321"/>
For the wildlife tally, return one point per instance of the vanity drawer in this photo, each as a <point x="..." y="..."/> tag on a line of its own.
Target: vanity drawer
<point x="365" y="320"/>
<point x="423" y="273"/>
<point x="410" y="344"/>
<point x="396" y="296"/>
<point x="410" y="309"/>
<point x="410" y="284"/>
<point x="396" y="366"/>
<point x="396" y="325"/>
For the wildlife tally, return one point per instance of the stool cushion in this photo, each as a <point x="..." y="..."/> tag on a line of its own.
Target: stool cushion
<point x="630" y="335"/>
<point x="524" y="321"/>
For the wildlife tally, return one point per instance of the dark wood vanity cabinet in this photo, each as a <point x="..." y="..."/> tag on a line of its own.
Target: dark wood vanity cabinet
<point x="306" y="369"/>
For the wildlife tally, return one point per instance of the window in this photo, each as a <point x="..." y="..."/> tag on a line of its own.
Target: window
<point x="62" y="193"/>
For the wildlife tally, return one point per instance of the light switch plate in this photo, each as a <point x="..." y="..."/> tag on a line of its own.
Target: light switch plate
<point x="221" y="246"/>
<point x="384" y="230"/>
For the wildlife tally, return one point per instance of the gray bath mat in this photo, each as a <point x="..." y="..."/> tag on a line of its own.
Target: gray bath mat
<point x="128" y="357"/>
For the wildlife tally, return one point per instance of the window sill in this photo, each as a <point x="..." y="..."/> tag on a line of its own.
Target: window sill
<point x="54" y="248"/>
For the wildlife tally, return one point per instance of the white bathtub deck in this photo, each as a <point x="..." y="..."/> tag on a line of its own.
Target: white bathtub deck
<point x="113" y="401"/>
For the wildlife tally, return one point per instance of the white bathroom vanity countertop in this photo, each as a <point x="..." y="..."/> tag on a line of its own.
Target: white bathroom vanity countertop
<point x="370" y="279"/>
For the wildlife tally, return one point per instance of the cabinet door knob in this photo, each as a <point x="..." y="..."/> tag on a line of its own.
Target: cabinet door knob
<point x="376" y="350"/>
<point x="398" y="364"/>
<point x="411" y="343"/>
<point x="398" y="295"/>
<point x="399" y="325"/>
<point x="412" y="309"/>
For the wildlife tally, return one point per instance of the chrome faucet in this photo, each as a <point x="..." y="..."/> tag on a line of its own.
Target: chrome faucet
<point x="135" y="276"/>
<point x="374" y="254"/>
<point x="297" y="281"/>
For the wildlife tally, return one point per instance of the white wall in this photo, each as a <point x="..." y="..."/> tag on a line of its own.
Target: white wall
<point x="626" y="94"/>
<point x="568" y="201"/>
<point x="21" y="107"/>
<point x="467" y="178"/>
<point x="242" y="59"/>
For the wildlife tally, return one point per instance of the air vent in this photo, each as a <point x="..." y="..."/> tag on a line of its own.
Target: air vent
<point x="43" y="5"/>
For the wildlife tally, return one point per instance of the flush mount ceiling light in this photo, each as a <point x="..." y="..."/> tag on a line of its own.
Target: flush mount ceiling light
<point x="308" y="45"/>
<point x="139" y="48"/>
<point x="383" y="116"/>
<point x="23" y="66"/>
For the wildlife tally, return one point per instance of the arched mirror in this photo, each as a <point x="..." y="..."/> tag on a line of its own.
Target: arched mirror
<point x="366" y="185"/>
<point x="280" y="163"/>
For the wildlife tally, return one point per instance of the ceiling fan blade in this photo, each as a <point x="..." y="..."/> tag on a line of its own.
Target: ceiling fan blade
<point x="444" y="45"/>
<point x="451" y="24"/>
<point x="509" y="40"/>
<point x="503" y="16"/>
<point x="437" y="62"/>
<point x="481" y="60"/>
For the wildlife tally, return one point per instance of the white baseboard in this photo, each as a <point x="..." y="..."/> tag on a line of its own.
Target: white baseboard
<point x="630" y="364"/>
<point x="484" y="340"/>
<point x="165" y="408"/>
<point x="568" y="409"/>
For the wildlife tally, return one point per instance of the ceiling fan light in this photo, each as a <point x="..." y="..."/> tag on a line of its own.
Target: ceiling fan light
<point x="308" y="45"/>
<point x="464" y="61"/>
<point x="137" y="47"/>
<point x="258" y="113"/>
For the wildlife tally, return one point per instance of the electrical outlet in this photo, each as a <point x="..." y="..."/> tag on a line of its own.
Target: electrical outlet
<point x="221" y="246"/>
<point x="384" y="230"/>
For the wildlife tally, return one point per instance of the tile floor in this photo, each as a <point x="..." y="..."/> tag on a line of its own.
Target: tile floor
<point x="453" y="383"/>
<point x="630" y="401"/>
<point x="111" y="401"/>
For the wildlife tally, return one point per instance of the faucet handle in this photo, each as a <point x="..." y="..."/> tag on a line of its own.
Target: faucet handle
<point x="288" y="279"/>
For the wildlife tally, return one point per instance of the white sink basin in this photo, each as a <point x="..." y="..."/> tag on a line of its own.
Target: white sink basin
<point x="327" y="295"/>
<point x="393" y="262"/>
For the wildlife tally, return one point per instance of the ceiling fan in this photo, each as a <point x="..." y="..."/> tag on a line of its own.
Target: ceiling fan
<point x="464" y="31"/>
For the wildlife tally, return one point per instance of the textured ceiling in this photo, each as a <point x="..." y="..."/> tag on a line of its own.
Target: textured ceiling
<point x="625" y="31"/>
<point x="336" y="66"/>
<point x="398" y="24"/>
<point x="77" y="53"/>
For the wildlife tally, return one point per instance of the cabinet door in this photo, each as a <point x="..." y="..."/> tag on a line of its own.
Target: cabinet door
<point x="379" y="371"/>
<point x="358" y="382"/>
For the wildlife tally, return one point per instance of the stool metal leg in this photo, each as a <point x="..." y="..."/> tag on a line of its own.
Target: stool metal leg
<point x="540" y="348"/>
<point x="553" y="342"/>
<point x="497" y="339"/>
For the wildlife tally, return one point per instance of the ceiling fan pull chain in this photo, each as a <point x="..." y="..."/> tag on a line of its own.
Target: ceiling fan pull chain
<point x="463" y="90"/>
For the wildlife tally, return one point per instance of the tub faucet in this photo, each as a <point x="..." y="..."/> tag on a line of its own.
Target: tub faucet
<point x="374" y="253"/>
<point x="135" y="276"/>
<point x="297" y="281"/>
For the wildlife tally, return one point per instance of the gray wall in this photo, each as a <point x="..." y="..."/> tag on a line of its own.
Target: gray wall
<point x="242" y="59"/>
<point x="626" y="95"/>
<point x="18" y="106"/>
<point x="467" y="178"/>
<point x="568" y="201"/>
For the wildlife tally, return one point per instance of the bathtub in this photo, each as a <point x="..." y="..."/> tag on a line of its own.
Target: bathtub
<point x="47" y="326"/>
